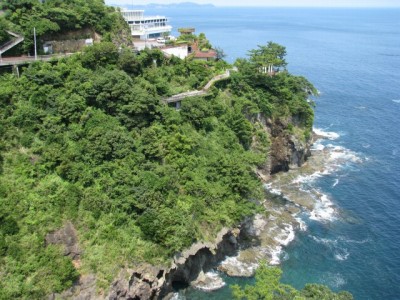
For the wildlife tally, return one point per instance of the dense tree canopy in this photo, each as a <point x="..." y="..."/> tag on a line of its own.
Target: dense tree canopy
<point x="87" y="139"/>
<point x="4" y="36"/>
<point x="54" y="18"/>
<point x="272" y="55"/>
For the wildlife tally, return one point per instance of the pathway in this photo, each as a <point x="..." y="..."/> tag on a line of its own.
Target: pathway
<point x="202" y="92"/>
<point x="22" y="60"/>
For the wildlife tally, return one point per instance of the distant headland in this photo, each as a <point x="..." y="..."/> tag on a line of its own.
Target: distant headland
<point x="179" y="5"/>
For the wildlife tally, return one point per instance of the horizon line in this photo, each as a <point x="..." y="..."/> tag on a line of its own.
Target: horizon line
<point x="255" y="6"/>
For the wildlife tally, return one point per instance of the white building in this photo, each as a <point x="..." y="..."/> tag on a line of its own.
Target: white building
<point x="145" y="27"/>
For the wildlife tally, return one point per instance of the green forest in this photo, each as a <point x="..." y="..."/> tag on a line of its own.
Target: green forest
<point x="88" y="139"/>
<point x="53" y="19"/>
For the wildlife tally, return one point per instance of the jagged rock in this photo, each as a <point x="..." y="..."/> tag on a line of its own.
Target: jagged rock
<point x="150" y="282"/>
<point x="287" y="150"/>
<point x="202" y="257"/>
<point x="144" y="282"/>
<point x="67" y="236"/>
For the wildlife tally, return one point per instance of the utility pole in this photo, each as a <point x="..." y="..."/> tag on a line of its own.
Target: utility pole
<point x="34" y="40"/>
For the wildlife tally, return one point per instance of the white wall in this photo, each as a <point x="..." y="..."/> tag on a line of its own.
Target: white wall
<point x="179" y="51"/>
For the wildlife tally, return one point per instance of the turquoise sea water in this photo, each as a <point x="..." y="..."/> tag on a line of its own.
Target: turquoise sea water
<point x="353" y="57"/>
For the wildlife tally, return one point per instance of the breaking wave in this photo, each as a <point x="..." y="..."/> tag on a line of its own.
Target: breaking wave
<point x="209" y="281"/>
<point x="330" y="135"/>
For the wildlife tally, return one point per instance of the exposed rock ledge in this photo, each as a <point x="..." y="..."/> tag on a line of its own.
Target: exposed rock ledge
<point x="149" y="282"/>
<point x="152" y="282"/>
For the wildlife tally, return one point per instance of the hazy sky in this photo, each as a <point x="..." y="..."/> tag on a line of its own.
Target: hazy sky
<point x="295" y="3"/>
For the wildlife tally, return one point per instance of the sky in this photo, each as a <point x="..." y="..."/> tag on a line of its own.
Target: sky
<point x="280" y="3"/>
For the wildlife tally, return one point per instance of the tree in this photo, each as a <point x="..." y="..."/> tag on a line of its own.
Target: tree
<point x="268" y="57"/>
<point x="4" y="37"/>
<point x="220" y="53"/>
<point x="269" y="287"/>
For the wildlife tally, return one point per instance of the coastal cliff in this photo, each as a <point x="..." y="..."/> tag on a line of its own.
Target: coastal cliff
<point x="111" y="178"/>
<point x="288" y="150"/>
<point x="187" y="268"/>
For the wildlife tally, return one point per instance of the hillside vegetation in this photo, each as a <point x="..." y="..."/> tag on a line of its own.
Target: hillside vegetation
<point x="87" y="139"/>
<point x="55" y="18"/>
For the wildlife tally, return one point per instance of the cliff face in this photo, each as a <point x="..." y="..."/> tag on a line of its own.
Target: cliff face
<point x="149" y="282"/>
<point x="288" y="149"/>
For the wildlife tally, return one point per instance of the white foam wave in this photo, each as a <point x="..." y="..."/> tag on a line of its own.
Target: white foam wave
<point x="330" y="135"/>
<point x="232" y="262"/>
<point x="324" y="210"/>
<point x="335" y="183"/>
<point x="178" y="296"/>
<point x="317" y="146"/>
<point x="308" y="178"/>
<point x="302" y="224"/>
<point x="283" y="239"/>
<point x="324" y="241"/>
<point x="343" y="239"/>
<point x="268" y="186"/>
<point x="341" y="154"/>
<point x="286" y="236"/>
<point x="396" y="100"/>
<point x="341" y="255"/>
<point x="209" y="281"/>
<point x="275" y="256"/>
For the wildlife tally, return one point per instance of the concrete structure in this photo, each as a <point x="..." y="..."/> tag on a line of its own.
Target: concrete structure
<point x="176" y="99"/>
<point x="66" y="46"/>
<point x="12" y="43"/>
<point x="188" y="30"/>
<point x="146" y="27"/>
<point x="180" y="51"/>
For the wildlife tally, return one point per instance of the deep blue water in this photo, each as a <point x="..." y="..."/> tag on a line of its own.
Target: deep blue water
<point x="353" y="57"/>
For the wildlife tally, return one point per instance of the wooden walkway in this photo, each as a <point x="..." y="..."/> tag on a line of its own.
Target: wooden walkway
<point x="202" y="92"/>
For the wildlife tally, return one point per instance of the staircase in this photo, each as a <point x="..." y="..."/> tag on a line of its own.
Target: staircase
<point x="10" y="44"/>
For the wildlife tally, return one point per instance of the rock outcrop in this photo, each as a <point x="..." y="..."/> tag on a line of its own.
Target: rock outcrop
<point x="144" y="282"/>
<point x="149" y="282"/>
<point x="288" y="150"/>
<point x="66" y="236"/>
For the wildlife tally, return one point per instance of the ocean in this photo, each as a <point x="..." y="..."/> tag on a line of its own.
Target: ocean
<point x="352" y="56"/>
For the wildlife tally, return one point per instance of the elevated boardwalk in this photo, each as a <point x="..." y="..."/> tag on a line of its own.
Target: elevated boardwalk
<point x="179" y="97"/>
<point x="23" y="60"/>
